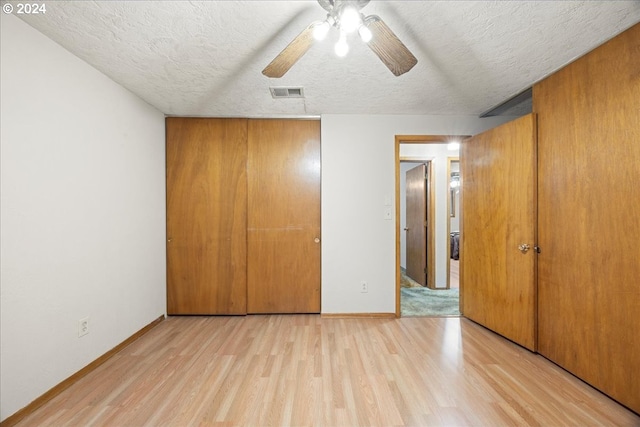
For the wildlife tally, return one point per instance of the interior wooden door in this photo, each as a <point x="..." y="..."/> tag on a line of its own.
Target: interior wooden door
<point x="589" y="227"/>
<point x="284" y="216"/>
<point x="498" y="170"/>
<point x="416" y="229"/>
<point x="206" y="216"/>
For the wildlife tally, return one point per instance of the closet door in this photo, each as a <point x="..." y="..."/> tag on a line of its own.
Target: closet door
<point x="498" y="170"/>
<point x="589" y="227"/>
<point x="284" y="216"/>
<point x="206" y="216"/>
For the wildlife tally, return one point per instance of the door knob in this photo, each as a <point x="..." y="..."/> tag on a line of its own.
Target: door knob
<point x="317" y="240"/>
<point x="406" y="229"/>
<point x="524" y="248"/>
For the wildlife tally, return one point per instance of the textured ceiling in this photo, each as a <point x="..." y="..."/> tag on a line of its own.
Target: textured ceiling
<point x="204" y="58"/>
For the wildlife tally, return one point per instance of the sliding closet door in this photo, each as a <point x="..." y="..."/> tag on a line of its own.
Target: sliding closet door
<point x="206" y="216"/>
<point x="589" y="227"/>
<point x="497" y="257"/>
<point x="284" y="216"/>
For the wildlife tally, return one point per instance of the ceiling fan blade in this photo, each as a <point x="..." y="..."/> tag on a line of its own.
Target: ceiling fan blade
<point x="290" y="54"/>
<point x="391" y="51"/>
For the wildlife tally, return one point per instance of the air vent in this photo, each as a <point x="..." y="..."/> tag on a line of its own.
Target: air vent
<point x="286" y="92"/>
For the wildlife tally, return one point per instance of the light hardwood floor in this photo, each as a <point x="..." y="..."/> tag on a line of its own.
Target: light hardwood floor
<point x="307" y="370"/>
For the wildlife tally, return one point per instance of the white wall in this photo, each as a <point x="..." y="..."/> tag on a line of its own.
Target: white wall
<point x="82" y="214"/>
<point x="439" y="155"/>
<point x="358" y="178"/>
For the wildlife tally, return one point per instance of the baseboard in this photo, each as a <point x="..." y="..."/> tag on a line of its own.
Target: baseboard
<point x="57" y="389"/>
<point x="358" y="315"/>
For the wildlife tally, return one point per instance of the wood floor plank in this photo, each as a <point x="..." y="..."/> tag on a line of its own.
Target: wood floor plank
<point x="307" y="370"/>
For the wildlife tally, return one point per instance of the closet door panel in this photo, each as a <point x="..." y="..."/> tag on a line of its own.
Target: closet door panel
<point x="206" y="216"/>
<point x="589" y="231"/>
<point x="284" y="216"/>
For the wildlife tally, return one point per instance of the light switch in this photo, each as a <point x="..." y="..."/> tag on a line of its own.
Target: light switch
<point x="387" y="214"/>
<point x="387" y="201"/>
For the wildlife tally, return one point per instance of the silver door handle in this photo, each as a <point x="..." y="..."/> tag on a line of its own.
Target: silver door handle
<point x="524" y="248"/>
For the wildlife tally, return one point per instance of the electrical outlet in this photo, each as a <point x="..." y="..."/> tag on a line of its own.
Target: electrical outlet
<point x="83" y="327"/>
<point x="364" y="287"/>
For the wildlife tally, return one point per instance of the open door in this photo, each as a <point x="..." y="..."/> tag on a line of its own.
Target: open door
<point x="416" y="229"/>
<point x="498" y="230"/>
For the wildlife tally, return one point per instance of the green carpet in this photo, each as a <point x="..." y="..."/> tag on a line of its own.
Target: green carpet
<point x="429" y="302"/>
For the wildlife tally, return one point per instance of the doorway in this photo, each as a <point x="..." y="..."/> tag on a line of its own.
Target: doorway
<point x="431" y="151"/>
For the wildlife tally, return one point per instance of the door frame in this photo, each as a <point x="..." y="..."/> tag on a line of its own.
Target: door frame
<point x="415" y="139"/>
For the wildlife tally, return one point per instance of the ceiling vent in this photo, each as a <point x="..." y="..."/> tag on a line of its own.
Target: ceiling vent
<point x="286" y="92"/>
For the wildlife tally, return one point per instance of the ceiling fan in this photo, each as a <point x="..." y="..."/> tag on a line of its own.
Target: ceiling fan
<point x="345" y="16"/>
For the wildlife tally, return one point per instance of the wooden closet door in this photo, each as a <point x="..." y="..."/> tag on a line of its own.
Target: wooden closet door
<point x="589" y="226"/>
<point x="284" y="216"/>
<point x="498" y="170"/>
<point x="206" y="216"/>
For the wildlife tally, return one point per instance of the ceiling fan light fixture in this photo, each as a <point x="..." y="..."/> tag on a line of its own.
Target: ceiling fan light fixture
<point x="345" y="16"/>
<point x="342" y="48"/>
<point x="365" y="33"/>
<point x="321" y="29"/>
<point x="350" y="19"/>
